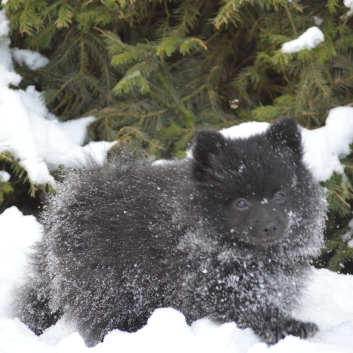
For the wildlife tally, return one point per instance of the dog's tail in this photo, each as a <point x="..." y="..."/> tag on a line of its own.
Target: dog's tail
<point x="32" y="300"/>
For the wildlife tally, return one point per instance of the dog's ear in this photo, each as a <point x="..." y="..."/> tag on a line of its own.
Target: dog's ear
<point x="208" y="147"/>
<point x="286" y="132"/>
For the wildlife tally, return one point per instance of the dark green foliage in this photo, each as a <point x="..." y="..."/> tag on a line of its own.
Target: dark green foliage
<point x="153" y="71"/>
<point x="161" y="59"/>
<point x="19" y="190"/>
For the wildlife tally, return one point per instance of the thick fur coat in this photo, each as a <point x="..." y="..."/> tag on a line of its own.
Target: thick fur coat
<point x="228" y="234"/>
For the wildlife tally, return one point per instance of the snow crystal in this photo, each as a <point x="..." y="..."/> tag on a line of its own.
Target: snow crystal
<point x="308" y="40"/>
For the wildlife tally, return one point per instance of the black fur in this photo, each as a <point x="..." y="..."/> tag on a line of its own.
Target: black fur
<point x="228" y="234"/>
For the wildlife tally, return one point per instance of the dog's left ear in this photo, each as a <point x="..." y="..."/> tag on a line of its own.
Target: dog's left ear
<point x="208" y="147"/>
<point x="286" y="132"/>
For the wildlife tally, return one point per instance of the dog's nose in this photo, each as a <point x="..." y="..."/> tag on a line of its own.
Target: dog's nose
<point x="269" y="229"/>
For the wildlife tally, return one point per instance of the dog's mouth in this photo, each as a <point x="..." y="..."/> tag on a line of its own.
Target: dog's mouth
<point x="261" y="238"/>
<point x="267" y="240"/>
<point x="264" y="241"/>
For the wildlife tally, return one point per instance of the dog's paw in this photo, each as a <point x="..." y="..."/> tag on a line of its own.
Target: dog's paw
<point x="290" y="327"/>
<point x="301" y="329"/>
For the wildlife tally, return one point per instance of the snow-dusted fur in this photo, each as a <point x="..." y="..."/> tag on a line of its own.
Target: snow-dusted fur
<point x="228" y="234"/>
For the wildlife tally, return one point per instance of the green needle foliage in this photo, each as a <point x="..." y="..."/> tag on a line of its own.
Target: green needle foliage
<point x="19" y="190"/>
<point x="153" y="71"/>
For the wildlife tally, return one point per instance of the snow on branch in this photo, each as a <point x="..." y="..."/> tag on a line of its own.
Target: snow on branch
<point x="28" y="130"/>
<point x="308" y="40"/>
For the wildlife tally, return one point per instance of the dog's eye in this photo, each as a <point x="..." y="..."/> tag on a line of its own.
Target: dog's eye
<point x="279" y="196"/>
<point x="241" y="204"/>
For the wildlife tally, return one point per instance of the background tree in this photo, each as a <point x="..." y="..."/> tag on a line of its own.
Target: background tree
<point x="153" y="71"/>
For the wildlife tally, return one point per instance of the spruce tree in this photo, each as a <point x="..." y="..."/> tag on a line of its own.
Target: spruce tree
<point x="153" y="71"/>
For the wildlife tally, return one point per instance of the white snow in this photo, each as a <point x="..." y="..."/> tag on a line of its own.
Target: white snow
<point x="245" y="130"/>
<point x="327" y="302"/>
<point x="308" y="40"/>
<point x="327" y="145"/>
<point x="348" y="234"/>
<point x="4" y="176"/>
<point x="28" y="130"/>
<point x="349" y="3"/>
<point x="318" y="20"/>
<point x="42" y="143"/>
<point x="4" y="23"/>
<point x="18" y="232"/>
<point x="323" y="147"/>
<point x="32" y="59"/>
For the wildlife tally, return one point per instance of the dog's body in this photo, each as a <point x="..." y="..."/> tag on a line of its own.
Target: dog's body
<point x="228" y="234"/>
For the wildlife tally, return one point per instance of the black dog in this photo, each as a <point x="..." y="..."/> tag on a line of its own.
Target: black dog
<point x="228" y="234"/>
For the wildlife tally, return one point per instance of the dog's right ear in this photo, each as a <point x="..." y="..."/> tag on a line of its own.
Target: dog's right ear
<point x="208" y="147"/>
<point x="286" y="132"/>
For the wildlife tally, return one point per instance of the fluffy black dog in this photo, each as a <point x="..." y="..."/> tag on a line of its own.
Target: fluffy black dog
<point x="227" y="234"/>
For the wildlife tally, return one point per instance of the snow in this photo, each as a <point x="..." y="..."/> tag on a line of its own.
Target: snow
<point x="28" y="130"/>
<point x="348" y="3"/>
<point x="4" y="176"/>
<point x="4" y="24"/>
<point x="348" y="234"/>
<point x="41" y="143"/>
<point x="323" y="147"/>
<point x="308" y="40"/>
<point x="18" y="233"/>
<point x="245" y="130"/>
<point x="32" y="59"/>
<point x="318" y="20"/>
<point x="327" y="302"/>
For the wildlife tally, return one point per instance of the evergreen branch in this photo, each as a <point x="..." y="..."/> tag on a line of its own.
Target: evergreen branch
<point x="65" y="15"/>
<point x="132" y="130"/>
<point x="319" y="80"/>
<point x="291" y="19"/>
<point x="341" y="199"/>
<point x="332" y="6"/>
<point x="42" y="38"/>
<point x="229" y="12"/>
<point x="190" y="118"/>
<point x="168" y="45"/>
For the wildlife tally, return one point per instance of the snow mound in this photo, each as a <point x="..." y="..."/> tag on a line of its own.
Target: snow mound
<point x="326" y="302"/>
<point x="18" y="233"/>
<point x="323" y="147"/>
<point x="28" y="130"/>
